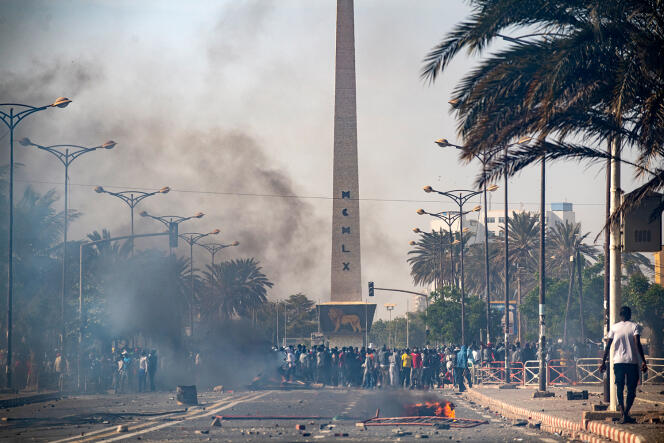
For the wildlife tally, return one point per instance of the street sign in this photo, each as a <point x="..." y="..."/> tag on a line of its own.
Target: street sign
<point x="640" y="233"/>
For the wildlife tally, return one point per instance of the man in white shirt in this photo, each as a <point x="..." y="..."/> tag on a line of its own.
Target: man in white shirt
<point x="626" y="339"/>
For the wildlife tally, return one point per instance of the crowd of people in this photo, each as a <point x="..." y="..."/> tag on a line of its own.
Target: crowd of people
<point x="126" y="370"/>
<point x="416" y="368"/>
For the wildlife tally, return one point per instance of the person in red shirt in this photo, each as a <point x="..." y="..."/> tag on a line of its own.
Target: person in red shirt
<point x="416" y="373"/>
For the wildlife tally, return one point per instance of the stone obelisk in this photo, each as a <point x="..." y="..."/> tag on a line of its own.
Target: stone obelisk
<point x="346" y="272"/>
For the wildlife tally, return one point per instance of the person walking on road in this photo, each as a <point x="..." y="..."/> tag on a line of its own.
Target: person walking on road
<point x="461" y="367"/>
<point x="625" y="336"/>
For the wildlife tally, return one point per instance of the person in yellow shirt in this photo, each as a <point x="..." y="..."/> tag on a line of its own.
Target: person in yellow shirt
<point x="406" y="365"/>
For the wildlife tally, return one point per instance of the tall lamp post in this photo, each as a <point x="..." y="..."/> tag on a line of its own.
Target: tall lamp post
<point x="390" y="308"/>
<point x="192" y="238"/>
<point x="66" y="154"/>
<point x="172" y="223"/>
<point x="132" y="198"/>
<point x="484" y="158"/>
<point x="463" y="199"/>
<point x="213" y="248"/>
<point x="12" y="119"/>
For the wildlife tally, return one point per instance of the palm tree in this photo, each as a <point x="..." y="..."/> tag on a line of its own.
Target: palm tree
<point x="37" y="230"/>
<point x="233" y="288"/>
<point x="126" y="294"/>
<point x="588" y="68"/>
<point x="523" y="232"/>
<point x="635" y="263"/>
<point x="430" y="261"/>
<point x="567" y="246"/>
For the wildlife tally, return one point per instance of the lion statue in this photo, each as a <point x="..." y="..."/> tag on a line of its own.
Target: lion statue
<point x="340" y="319"/>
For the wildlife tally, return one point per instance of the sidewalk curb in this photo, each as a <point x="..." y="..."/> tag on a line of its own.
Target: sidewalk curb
<point x="578" y="429"/>
<point x="28" y="399"/>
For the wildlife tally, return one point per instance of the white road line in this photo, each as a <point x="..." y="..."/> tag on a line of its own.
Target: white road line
<point x="548" y="440"/>
<point x="161" y="417"/>
<point x="193" y="417"/>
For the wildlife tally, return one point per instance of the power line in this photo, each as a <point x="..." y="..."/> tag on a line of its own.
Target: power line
<point x="294" y="196"/>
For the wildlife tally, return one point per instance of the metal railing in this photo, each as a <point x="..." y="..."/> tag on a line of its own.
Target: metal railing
<point x="517" y="373"/>
<point x="491" y="373"/>
<point x="587" y="371"/>
<point x="655" y="374"/>
<point x="531" y="372"/>
<point x="560" y="372"/>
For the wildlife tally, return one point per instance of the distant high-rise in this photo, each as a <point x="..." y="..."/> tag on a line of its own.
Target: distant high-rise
<point x="346" y="259"/>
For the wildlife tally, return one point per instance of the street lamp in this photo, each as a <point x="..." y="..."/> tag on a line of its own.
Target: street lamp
<point x="192" y="238"/>
<point x="12" y="120"/>
<point x="213" y="248"/>
<point x="132" y="198"/>
<point x="390" y="308"/>
<point x="460" y="200"/>
<point x="484" y="159"/>
<point x="66" y="154"/>
<point x="171" y="222"/>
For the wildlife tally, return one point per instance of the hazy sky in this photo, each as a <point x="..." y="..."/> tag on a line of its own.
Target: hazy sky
<point x="231" y="104"/>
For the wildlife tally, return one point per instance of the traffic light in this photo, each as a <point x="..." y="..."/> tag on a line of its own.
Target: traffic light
<point x="173" y="235"/>
<point x="371" y="289"/>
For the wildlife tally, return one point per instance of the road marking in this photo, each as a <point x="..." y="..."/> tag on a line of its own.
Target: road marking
<point x="548" y="440"/>
<point x="193" y="417"/>
<point x="89" y="436"/>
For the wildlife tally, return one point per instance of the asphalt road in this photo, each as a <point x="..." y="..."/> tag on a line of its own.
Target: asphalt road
<point x="157" y="417"/>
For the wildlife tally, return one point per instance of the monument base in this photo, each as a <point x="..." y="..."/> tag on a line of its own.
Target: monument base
<point x="345" y="324"/>
<point x="345" y="341"/>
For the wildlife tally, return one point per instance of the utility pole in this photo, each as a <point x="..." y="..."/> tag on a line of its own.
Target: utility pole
<point x="407" y="326"/>
<point x="615" y="294"/>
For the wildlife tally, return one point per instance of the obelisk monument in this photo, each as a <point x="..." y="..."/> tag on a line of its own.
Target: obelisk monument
<point x="346" y="259"/>
<point x="346" y="319"/>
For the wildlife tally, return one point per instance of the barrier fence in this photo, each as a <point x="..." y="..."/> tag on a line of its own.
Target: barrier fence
<point x="560" y="372"/>
<point x="587" y="371"/>
<point x="531" y="372"/>
<point x="655" y="374"/>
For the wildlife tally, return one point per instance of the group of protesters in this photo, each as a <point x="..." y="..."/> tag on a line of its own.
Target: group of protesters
<point x="121" y="370"/>
<point x="416" y="368"/>
<point x="369" y="368"/>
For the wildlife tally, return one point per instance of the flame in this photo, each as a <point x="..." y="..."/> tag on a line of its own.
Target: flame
<point x="445" y="409"/>
<point x="448" y="410"/>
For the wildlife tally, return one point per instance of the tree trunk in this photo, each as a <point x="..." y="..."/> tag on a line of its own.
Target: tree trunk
<point x="570" y="287"/>
<point x="580" y="277"/>
<point x="518" y="303"/>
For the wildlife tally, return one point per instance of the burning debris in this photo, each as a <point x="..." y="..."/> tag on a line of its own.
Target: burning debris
<point x="439" y="414"/>
<point x="427" y="408"/>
